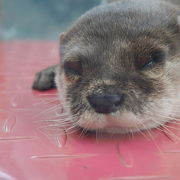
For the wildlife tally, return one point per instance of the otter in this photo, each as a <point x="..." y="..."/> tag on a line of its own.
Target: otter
<point x="120" y="67"/>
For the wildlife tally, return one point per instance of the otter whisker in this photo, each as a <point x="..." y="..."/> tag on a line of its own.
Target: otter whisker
<point x="140" y="131"/>
<point x="72" y="129"/>
<point x="55" y="94"/>
<point x="167" y="133"/>
<point x="151" y="137"/>
<point x="171" y="127"/>
<point x="154" y="142"/>
<point x="69" y="128"/>
<point x="48" y="110"/>
<point x="170" y="118"/>
<point x="167" y="130"/>
<point x="59" y="117"/>
<point x="173" y="134"/>
<point x="50" y="101"/>
<point x="96" y="135"/>
<point x="47" y="101"/>
<point x="83" y="131"/>
<point x="57" y="120"/>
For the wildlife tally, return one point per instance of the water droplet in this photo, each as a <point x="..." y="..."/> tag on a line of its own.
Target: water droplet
<point x="9" y="124"/>
<point x="59" y="110"/>
<point x="56" y="136"/>
<point x="125" y="161"/>
<point x="60" y="140"/>
<point x="16" y="100"/>
<point x="8" y="121"/>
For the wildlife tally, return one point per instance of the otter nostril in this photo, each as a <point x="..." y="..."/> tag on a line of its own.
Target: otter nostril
<point x="117" y="100"/>
<point x="105" y="103"/>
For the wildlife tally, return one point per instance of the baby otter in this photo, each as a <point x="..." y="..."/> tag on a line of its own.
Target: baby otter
<point x="120" y="66"/>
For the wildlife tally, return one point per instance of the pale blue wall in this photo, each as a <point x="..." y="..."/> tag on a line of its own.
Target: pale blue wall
<point x="39" y="19"/>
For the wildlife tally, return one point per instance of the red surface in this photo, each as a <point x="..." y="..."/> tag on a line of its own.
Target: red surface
<point x="28" y="153"/>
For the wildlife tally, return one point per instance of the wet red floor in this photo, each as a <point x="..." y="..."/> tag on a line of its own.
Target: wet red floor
<point x="28" y="153"/>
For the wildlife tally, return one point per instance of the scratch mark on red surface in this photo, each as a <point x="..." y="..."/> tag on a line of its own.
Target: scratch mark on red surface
<point x="138" y="178"/>
<point x="17" y="138"/>
<point x="64" y="156"/>
<point x="176" y="151"/>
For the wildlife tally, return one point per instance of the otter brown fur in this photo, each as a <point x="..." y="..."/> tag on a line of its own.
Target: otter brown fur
<point x="120" y="66"/>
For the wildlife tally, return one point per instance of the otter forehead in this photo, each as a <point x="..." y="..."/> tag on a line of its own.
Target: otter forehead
<point x="125" y="20"/>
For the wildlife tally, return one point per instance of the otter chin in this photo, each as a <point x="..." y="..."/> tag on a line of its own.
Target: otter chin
<point x="120" y="67"/>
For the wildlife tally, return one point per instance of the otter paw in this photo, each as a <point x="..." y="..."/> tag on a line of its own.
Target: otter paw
<point x="44" y="80"/>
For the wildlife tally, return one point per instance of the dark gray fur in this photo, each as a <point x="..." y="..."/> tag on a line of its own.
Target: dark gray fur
<point x="112" y="41"/>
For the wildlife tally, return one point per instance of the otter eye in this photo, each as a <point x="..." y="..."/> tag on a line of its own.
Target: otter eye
<point x="73" y="67"/>
<point x="155" y="58"/>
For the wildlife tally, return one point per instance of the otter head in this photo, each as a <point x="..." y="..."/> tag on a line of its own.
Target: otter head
<point x="120" y="69"/>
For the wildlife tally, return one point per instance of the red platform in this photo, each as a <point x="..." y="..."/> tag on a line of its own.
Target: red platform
<point x="28" y="153"/>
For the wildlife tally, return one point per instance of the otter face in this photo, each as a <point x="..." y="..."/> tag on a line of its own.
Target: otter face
<point x="120" y="76"/>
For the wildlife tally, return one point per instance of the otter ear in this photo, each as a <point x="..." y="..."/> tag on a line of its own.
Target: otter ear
<point x="109" y="1"/>
<point x="62" y="37"/>
<point x="61" y="42"/>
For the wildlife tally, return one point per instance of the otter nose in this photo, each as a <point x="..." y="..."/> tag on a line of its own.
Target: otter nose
<point x="105" y="103"/>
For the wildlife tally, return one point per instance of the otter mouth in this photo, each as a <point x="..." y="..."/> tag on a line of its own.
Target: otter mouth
<point x="115" y="129"/>
<point x="117" y="126"/>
